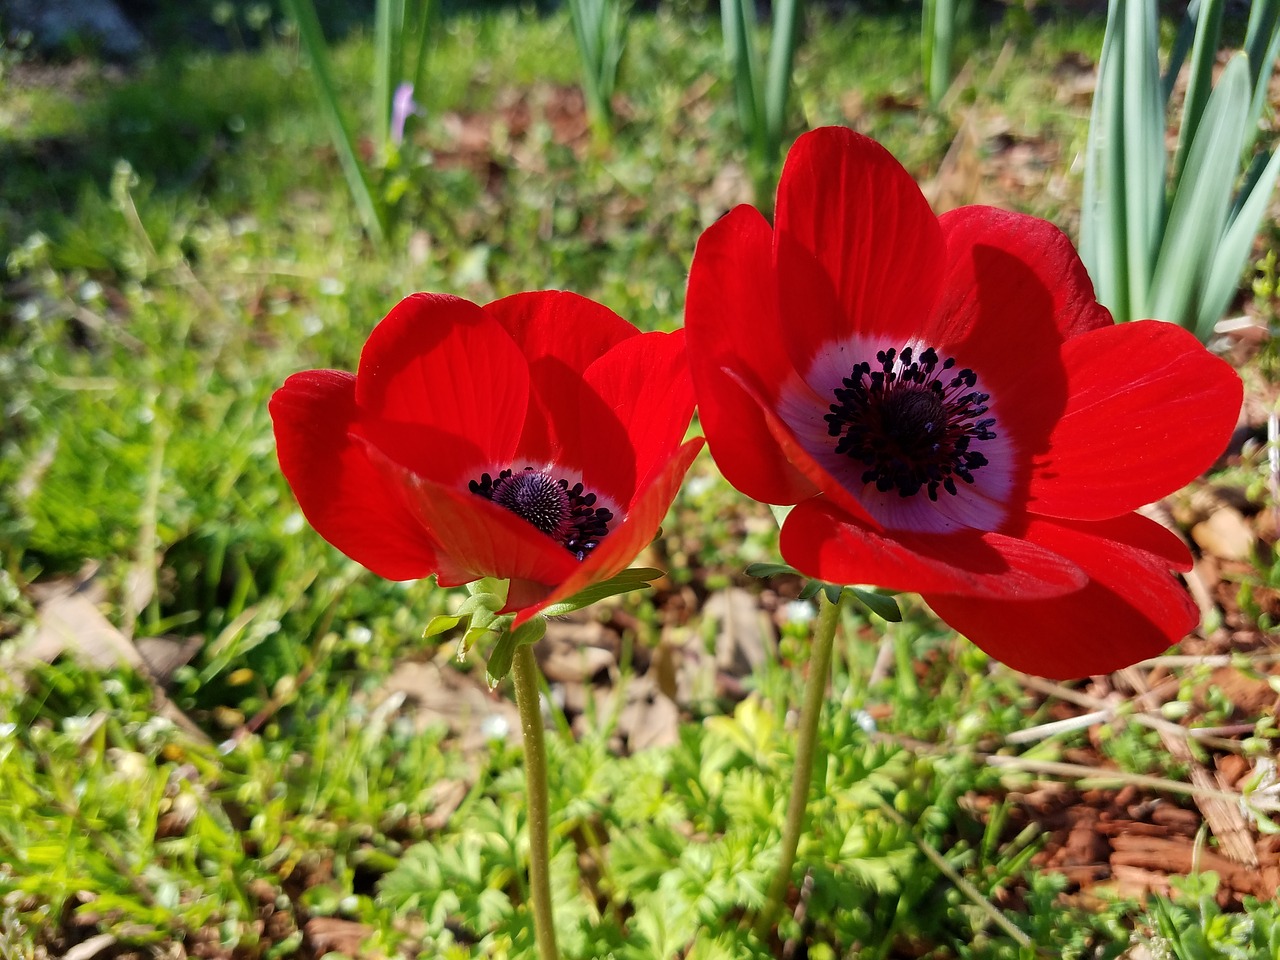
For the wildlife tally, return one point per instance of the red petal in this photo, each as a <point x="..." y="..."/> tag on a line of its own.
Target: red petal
<point x="1148" y="410"/>
<point x="560" y="335"/>
<point x="847" y="205"/>
<point x="1132" y="608"/>
<point x="440" y="362"/>
<point x="731" y="322"/>
<point x="1014" y="289"/>
<point x="820" y="540"/>
<point x="623" y="543"/>
<point x="561" y="326"/>
<point x="479" y="535"/>
<point x="341" y="493"/>
<point x="643" y="385"/>
<point x="984" y="290"/>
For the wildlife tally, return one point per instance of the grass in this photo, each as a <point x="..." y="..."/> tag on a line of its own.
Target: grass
<point x="178" y="241"/>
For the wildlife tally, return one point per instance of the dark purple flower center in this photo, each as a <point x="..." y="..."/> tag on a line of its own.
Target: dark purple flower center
<point x="565" y="513"/>
<point x="911" y="423"/>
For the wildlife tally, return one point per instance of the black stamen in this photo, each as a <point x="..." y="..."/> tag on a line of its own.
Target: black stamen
<point x="909" y="428"/>
<point x="565" y="513"/>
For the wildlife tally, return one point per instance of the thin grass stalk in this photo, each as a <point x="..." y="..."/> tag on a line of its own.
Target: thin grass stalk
<point x="524" y="673"/>
<point x="815" y="692"/>
<point x="371" y="215"/>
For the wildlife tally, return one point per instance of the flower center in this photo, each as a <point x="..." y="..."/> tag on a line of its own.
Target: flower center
<point x="565" y="513"/>
<point x="911" y="423"/>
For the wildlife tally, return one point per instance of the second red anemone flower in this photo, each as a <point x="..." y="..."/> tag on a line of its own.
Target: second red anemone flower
<point x="536" y="439"/>
<point x="951" y="411"/>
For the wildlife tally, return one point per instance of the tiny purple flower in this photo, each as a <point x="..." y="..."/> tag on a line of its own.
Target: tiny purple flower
<point x="402" y="107"/>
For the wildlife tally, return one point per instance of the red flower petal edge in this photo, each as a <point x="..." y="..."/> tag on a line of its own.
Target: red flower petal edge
<point x="536" y="439"/>
<point x="951" y="410"/>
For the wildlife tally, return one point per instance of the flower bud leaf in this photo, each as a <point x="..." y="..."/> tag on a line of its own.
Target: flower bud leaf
<point x="490" y="602"/>
<point x="530" y="632"/>
<point x="765" y="570"/>
<point x="502" y="656"/>
<point x="469" y="639"/>
<point x="438" y="625"/>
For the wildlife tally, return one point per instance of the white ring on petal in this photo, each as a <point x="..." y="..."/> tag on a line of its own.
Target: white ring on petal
<point x="803" y="404"/>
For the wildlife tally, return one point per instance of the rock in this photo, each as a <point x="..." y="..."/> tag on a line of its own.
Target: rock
<point x="1226" y="534"/>
<point x="64" y="24"/>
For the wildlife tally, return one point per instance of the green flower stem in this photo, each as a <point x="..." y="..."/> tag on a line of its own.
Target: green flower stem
<point x="815" y="692"/>
<point x="524" y="671"/>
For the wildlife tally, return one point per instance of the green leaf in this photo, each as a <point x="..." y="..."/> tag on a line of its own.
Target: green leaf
<point x="883" y="605"/>
<point x="633" y="578"/>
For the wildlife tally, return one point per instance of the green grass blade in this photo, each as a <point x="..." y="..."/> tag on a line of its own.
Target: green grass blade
<point x="383" y="82"/>
<point x="1143" y="184"/>
<point x="1264" y="17"/>
<point x="424" y="25"/>
<point x="738" y="21"/>
<point x="1181" y="47"/>
<point x="599" y="29"/>
<point x="939" y="46"/>
<point x="1262" y="44"/>
<point x="583" y="16"/>
<point x="1200" y="82"/>
<point x="782" y="48"/>
<point x="1102" y="214"/>
<point x="303" y="13"/>
<point x="1237" y="243"/>
<point x="1198" y="215"/>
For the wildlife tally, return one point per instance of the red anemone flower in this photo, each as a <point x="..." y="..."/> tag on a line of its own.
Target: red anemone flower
<point x="536" y="439"/>
<point x="951" y="411"/>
